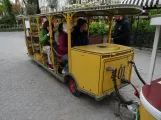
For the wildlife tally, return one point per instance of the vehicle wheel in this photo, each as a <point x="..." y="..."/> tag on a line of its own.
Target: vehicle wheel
<point x="73" y="87"/>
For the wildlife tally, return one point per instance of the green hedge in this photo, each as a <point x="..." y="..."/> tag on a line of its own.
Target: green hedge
<point x="98" y="28"/>
<point x="143" y="26"/>
<point x="8" y="20"/>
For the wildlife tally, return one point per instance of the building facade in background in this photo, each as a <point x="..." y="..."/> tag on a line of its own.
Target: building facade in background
<point x="47" y="6"/>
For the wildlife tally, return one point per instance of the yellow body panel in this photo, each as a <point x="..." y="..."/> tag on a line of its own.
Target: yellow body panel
<point x="122" y="69"/>
<point x="102" y="48"/>
<point x="30" y="51"/>
<point x="89" y="65"/>
<point x="85" y="68"/>
<point x="37" y="56"/>
<point x="144" y="114"/>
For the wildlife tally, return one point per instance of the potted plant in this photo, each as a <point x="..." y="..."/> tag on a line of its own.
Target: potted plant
<point x="97" y="30"/>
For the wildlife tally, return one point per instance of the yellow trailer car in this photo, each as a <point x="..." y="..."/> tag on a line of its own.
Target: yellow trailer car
<point x="88" y="65"/>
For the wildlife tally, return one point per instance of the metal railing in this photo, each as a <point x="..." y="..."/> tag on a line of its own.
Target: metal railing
<point x="144" y="40"/>
<point x="8" y="27"/>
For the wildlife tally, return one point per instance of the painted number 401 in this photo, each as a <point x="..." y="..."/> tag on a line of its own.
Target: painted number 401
<point x="120" y="73"/>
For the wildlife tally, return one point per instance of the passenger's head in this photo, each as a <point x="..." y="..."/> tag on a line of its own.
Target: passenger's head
<point x="82" y="24"/>
<point x="60" y="28"/>
<point x="118" y="18"/>
<point x="46" y="25"/>
<point x="65" y="27"/>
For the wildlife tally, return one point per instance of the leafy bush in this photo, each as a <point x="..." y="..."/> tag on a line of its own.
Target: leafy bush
<point x="143" y="26"/>
<point x="8" y="20"/>
<point x="98" y="28"/>
<point x="154" y="12"/>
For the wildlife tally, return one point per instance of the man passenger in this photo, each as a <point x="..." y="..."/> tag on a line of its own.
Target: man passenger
<point x="80" y="33"/>
<point x="122" y="31"/>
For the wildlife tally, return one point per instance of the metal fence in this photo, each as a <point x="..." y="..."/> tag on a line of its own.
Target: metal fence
<point x="8" y="27"/>
<point x="144" y="40"/>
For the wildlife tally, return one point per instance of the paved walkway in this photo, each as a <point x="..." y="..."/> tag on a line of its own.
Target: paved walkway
<point x="28" y="92"/>
<point x="142" y="59"/>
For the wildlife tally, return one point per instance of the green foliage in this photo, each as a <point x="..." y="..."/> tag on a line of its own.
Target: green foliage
<point x="1" y="9"/>
<point x="98" y="28"/>
<point x="7" y="20"/>
<point x="154" y="12"/>
<point x="6" y="7"/>
<point x="143" y="26"/>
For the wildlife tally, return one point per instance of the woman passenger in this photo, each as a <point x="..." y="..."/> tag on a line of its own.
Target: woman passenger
<point x="62" y="40"/>
<point x="63" y="43"/>
<point x="45" y="42"/>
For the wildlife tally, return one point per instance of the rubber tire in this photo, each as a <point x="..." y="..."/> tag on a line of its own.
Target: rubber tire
<point x="73" y="87"/>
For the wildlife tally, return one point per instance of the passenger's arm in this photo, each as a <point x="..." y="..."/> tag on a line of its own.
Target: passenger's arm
<point x="43" y="37"/>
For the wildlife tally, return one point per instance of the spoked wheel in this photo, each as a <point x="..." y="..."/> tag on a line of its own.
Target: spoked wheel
<point x="73" y="88"/>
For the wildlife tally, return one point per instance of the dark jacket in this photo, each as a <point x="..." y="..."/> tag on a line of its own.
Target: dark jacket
<point x="79" y="38"/>
<point x="122" y="32"/>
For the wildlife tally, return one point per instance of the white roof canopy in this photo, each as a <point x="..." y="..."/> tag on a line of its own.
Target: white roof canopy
<point x="144" y="3"/>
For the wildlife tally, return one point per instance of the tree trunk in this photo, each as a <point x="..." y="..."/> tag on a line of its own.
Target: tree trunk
<point x="37" y="9"/>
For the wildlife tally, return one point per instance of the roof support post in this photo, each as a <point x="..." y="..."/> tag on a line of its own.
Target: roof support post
<point x="51" y="43"/>
<point x="110" y="28"/>
<point x="68" y="17"/>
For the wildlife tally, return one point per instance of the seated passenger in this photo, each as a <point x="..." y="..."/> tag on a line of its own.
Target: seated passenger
<point x="63" y="43"/>
<point x="45" y="42"/>
<point x="80" y="34"/>
<point x="62" y="40"/>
